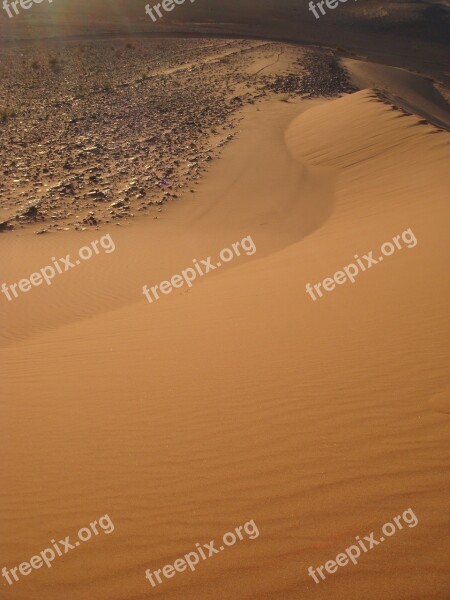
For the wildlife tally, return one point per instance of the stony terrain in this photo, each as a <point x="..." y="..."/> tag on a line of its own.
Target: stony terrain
<point x="100" y="132"/>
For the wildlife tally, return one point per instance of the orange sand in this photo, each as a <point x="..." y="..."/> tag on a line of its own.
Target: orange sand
<point x="243" y="399"/>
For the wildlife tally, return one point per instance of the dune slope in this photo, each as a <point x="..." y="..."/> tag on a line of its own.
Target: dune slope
<point x="245" y="399"/>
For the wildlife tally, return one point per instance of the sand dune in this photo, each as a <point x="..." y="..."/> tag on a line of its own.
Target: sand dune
<point x="242" y="398"/>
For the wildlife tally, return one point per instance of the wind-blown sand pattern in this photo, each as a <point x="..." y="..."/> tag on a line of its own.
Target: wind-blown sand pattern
<point x="240" y="398"/>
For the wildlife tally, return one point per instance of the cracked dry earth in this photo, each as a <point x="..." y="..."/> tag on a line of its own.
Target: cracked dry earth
<point x="97" y="132"/>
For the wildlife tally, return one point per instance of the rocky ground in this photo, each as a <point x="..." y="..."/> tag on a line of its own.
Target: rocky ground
<point x="100" y="132"/>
